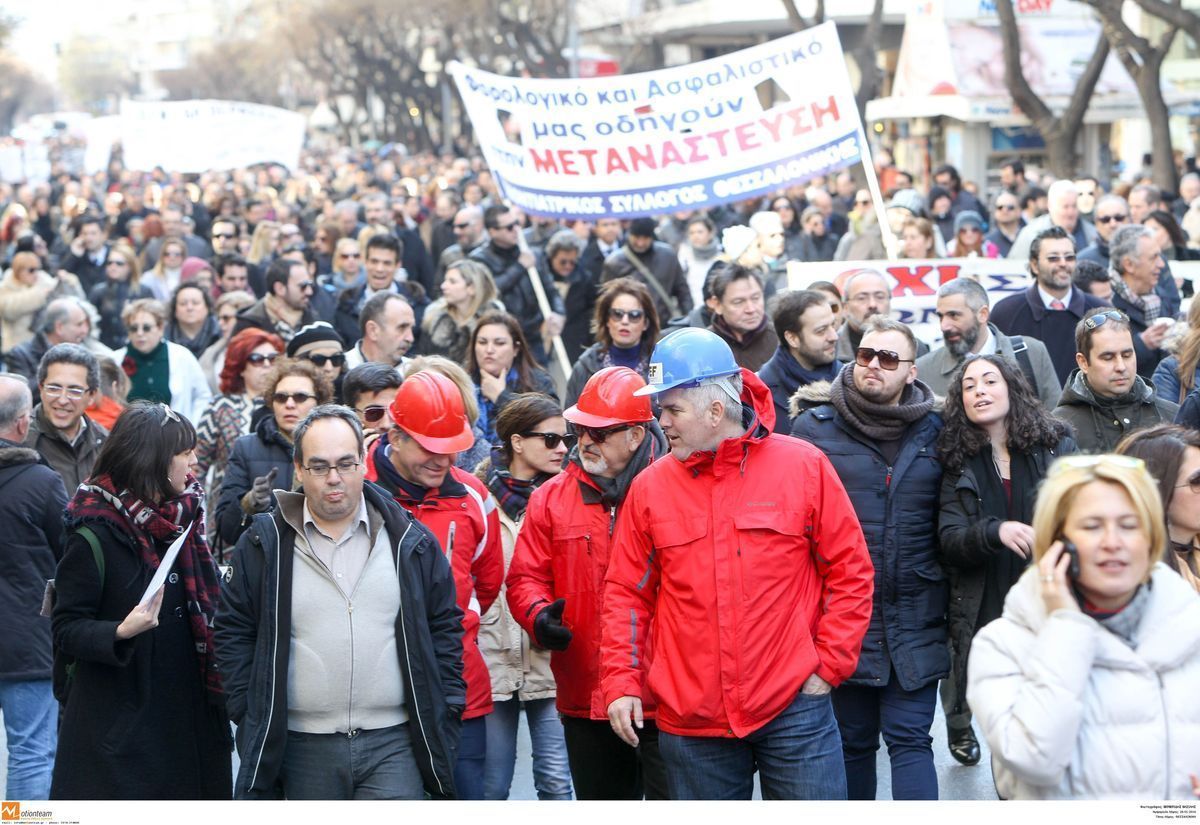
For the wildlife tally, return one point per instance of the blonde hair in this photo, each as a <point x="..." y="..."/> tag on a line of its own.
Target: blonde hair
<point x="261" y="244"/>
<point x="1070" y="474"/>
<point x="155" y="309"/>
<point x="446" y="367"/>
<point x="135" y="266"/>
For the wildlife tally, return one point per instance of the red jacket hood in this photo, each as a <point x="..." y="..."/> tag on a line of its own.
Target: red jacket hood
<point x="757" y="397"/>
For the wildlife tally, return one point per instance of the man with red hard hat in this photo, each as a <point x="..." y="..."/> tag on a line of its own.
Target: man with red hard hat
<point x="416" y="465"/>
<point x="741" y="554"/>
<point x="556" y="580"/>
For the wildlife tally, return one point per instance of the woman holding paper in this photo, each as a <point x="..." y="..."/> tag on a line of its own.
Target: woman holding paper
<point x="143" y="711"/>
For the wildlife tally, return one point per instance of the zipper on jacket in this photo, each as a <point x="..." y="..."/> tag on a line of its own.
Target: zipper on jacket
<point x="1162" y="697"/>
<point x="350" y="694"/>
<point x="612" y="520"/>
<point x="274" y="658"/>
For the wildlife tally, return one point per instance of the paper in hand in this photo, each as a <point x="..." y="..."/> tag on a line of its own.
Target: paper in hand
<point x="164" y="567"/>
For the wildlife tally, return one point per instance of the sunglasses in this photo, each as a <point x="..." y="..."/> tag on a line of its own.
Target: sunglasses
<point x="599" y="436"/>
<point x="622" y="314"/>
<point x="142" y="329"/>
<point x="552" y="440"/>
<point x="1005" y="207"/>
<point x="322" y="360"/>
<point x="351" y="255"/>
<point x="168" y="415"/>
<point x="1099" y="318"/>
<point x="372" y="414"/>
<point x="1111" y="218"/>
<point x="462" y="226"/>
<point x="1087" y="462"/>
<point x="306" y="286"/>
<point x="116" y="262"/>
<point x="888" y="360"/>
<point x="224" y="236"/>
<point x="296" y="397"/>
<point x="506" y="227"/>
<point x="257" y="358"/>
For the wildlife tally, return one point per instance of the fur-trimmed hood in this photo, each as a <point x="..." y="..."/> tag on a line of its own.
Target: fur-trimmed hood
<point x="817" y="393"/>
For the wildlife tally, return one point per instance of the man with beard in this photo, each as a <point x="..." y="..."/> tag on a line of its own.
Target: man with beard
<point x="1051" y="307"/>
<point x="555" y="580"/>
<point x="962" y="308"/>
<point x="804" y="323"/>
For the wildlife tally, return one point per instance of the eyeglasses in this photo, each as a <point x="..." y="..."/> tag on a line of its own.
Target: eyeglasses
<point x="1193" y="483"/>
<point x="506" y="227"/>
<point x="297" y="398"/>
<point x="463" y="225"/>
<point x="888" y="360"/>
<point x="344" y="467"/>
<point x="257" y="358"/>
<point x="599" y="436"/>
<point x="1088" y="462"/>
<point x="1005" y="207"/>
<point x="622" y="314"/>
<point x="224" y="236"/>
<point x="322" y="360"/>
<point x="168" y="415"/>
<point x="351" y="255"/>
<point x="142" y="329"/>
<point x="57" y="391"/>
<point x="1099" y="318"/>
<point x="115" y="262"/>
<point x="372" y="414"/>
<point x="1111" y="218"/>
<point x="552" y="440"/>
<point x="306" y="286"/>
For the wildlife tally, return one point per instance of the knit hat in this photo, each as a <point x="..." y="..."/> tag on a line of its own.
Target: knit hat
<point x="737" y="239"/>
<point x="909" y="199"/>
<point x="968" y="217"/>
<point x="766" y="223"/>
<point x="312" y="335"/>
<point x="191" y="268"/>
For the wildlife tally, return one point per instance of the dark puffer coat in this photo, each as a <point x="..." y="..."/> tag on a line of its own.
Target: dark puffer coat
<point x="253" y="455"/>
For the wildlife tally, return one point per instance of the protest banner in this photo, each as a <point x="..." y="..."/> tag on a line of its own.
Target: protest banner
<point x="688" y="137"/>
<point x="198" y="135"/>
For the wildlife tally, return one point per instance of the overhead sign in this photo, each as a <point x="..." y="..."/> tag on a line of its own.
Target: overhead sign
<point x="688" y="137"/>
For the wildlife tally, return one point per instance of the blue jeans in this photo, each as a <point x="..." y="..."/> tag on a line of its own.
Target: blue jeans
<point x="551" y="775"/>
<point x="472" y="754"/>
<point x="798" y="755"/>
<point x="371" y="764"/>
<point x="904" y="717"/>
<point x="31" y="725"/>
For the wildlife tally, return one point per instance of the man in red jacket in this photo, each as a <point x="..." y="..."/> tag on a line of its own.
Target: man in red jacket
<point x="416" y="465"/>
<point x="556" y="580"/>
<point x="744" y="552"/>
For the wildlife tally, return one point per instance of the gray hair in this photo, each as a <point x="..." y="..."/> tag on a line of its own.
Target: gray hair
<point x="76" y="354"/>
<point x="1124" y="245"/>
<point x="561" y="241"/>
<point x="58" y="311"/>
<point x="973" y="293"/>
<point x="346" y="205"/>
<point x="1153" y="193"/>
<point x="16" y="400"/>
<point x="321" y="412"/>
<point x="710" y="391"/>
<point x="1112" y="197"/>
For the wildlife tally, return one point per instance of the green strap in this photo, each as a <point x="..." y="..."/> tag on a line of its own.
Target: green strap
<point x="94" y="543"/>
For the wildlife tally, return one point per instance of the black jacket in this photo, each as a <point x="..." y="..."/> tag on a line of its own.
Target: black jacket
<point x="85" y="269"/>
<point x="32" y="499"/>
<point x="345" y="317"/>
<point x="1147" y="359"/>
<point x="252" y="456"/>
<point x="516" y="291"/>
<point x="253" y="632"/>
<point x="1099" y="423"/>
<point x="23" y="360"/>
<point x="256" y="316"/>
<point x="578" y="305"/>
<point x="415" y="259"/>
<point x="110" y="298"/>
<point x="1025" y="314"/>
<point x="663" y="264"/>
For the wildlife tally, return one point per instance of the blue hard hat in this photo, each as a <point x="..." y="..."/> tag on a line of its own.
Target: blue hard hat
<point x="686" y="357"/>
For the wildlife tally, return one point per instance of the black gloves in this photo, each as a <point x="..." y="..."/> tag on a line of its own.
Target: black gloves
<point x="548" y="629"/>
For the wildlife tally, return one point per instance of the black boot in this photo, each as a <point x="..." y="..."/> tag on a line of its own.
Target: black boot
<point x="963" y="745"/>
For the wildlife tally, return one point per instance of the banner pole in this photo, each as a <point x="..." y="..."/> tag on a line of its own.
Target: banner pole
<point x="890" y="242"/>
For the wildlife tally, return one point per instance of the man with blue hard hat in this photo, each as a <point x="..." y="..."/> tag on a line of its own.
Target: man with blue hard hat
<point x="743" y="549"/>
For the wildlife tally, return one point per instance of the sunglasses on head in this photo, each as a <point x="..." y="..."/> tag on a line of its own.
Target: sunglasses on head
<point x="599" y="436"/>
<point x="552" y="440"/>
<point x="1087" y="462"/>
<point x="296" y="397"/>
<point x="322" y="360"/>
<point x="1099" y="318"/>
<point x="261" y="357"/>
<point x="622" y="314"/>
<point x="888" y="360"/>
<point x="372" y="414"/>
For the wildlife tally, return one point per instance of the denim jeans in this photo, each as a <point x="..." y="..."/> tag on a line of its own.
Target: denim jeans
<point x="798" y="755"/>
<point x="904" y="717"/>
<point x="551" y="775"/>
<point x="371" y="764"/>
<point x="31" y="725"/>
<point x="603" y="767"/>
<point x="472" y="754"/>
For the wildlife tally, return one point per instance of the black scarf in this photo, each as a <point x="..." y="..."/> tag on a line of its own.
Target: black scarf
<point x="882" y="422"/>
<point x="512" y="494"/>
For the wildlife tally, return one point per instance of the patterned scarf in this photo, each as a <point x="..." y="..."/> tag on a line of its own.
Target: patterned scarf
<point x="147" y="524"/>
<point x="512" y="494"/>
<point x="1150" y="304"/>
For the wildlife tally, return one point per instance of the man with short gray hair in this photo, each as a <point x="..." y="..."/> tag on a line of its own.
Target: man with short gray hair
<point x="68" y="381"/>
<point x="1135" y="264"/>
<point x="962" y="309"/>
<point x="1062" y="201"/>
<point x="468" y="232"/>
<point x="361" y="698"/>
<point x="65" y="320"/>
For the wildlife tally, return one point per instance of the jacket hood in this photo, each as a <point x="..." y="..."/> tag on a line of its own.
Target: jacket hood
<point x="757" y="396"/>
<point x="810" y="395"/>
<point x="1077" y="392"/>
<point x="16" y="456"/>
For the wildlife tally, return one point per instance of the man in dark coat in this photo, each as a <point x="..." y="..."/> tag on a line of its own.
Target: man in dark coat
<point x="32" y="500"/>
<point x="1135" y="266"/>
<point x="739" y="316"/>
<point x="880" y="432"/>
<point x="349" y="719"/>
<point x="61" y="432"/>
<point x="807" y="333"/>
<point x="382" y="261"/>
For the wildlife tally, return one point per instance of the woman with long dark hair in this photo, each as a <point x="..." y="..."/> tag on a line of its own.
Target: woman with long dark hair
<point x="500" y="364"/>
<point x="996" y="446"/>
<point x="143" y="716"/>
<point x="625" y="324"/>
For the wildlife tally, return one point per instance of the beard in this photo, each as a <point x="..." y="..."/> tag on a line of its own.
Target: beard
<point x="593" y="466"/>
<point x="965" y="343"/>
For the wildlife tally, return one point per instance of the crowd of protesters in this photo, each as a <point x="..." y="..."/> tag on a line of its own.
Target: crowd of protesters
<point x="743" y="529"/>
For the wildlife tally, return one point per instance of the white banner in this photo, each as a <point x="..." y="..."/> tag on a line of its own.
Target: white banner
<point x="198" y="135"/>
<point x="734" y="127"/>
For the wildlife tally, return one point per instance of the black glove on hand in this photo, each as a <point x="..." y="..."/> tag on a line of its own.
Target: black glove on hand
<point x="548" y="628"/>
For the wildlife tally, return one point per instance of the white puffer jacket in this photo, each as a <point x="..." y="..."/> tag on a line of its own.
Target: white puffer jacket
<point x="1072" y="712"/>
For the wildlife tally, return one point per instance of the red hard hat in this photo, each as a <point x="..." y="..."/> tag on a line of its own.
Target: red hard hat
<point x="429" y="407"/>
<point x="608" y="400"/>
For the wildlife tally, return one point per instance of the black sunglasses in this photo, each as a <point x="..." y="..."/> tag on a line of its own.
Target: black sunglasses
<point x="888" y="360"/>
<point x="223" y="235"/>
<point x="1111" y="218"/>
<point x="297" y="397"/>
<point x="322" y="360"/>
<point x="552" y="440"/>
<point x="622" y="314"/>
<point x="261" y="358"/>
<point x="599" y="436"/>
<point x="373" y="414"/>
<point x="1099" y="318"/>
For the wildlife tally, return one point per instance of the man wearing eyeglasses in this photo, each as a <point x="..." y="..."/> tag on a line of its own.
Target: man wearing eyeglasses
<point x="285" y="309"/>
<point x="555" y="580"/>
<point x="61" y="432"/>
<point x="1105" y="398"/>
<point x="1007" y="222"/>
<point x="384" y="275"/>
<point x="1112" y="212"/>
<point x="360" y="692"/>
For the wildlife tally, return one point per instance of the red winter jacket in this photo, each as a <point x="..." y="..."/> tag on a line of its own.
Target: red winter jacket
<point x="476" y="560"/>
<point x="562" y="552"/>
<point x="753" y="568"/>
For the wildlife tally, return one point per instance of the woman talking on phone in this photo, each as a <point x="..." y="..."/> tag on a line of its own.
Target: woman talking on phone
<point x="1086" y="687"/>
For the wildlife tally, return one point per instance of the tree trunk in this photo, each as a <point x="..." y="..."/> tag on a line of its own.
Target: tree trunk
<point x="1166" y="176"/>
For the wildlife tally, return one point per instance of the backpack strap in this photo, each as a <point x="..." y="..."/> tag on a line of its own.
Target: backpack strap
<point x="652" y="281"/>
<point x="1021" y="350"/>
<point x="90" y="537"/>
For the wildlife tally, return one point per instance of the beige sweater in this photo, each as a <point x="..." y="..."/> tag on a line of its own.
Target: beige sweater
<point x="19" y="304"/>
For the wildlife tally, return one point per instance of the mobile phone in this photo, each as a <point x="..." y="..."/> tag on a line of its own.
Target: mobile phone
<point x="1071" y="550"/>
